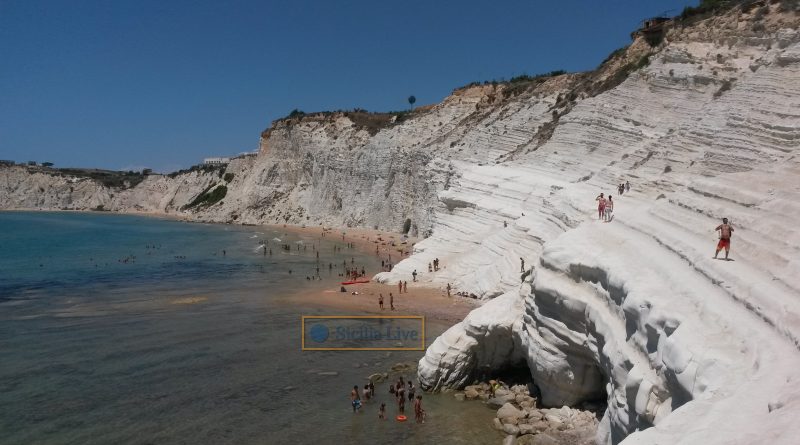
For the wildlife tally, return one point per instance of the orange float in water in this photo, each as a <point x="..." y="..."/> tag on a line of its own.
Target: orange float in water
<point x="401" y="418"/>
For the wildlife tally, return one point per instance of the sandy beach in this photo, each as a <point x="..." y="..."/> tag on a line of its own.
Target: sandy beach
<point x="433" y="303"/>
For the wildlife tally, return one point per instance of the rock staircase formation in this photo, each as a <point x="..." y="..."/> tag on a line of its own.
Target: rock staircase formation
<point x="687" y="349"/>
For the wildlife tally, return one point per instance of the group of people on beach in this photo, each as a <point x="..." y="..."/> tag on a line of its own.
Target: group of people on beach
<point x="400" y="393"/>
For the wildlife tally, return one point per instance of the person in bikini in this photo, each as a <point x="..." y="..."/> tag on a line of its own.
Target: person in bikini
<point x="725" y="231"/>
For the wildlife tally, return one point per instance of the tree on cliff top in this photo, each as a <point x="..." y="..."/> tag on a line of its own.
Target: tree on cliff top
<point x="411" y="100"/>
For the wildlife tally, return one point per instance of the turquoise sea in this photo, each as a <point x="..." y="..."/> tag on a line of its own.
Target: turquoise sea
<point x="118" y="329"/>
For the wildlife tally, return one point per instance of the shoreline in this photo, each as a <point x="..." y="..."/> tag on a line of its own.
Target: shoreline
<point x="424" y="300"/>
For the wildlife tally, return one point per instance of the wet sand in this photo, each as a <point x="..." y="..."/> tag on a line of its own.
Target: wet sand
<point x="433" y="304"/>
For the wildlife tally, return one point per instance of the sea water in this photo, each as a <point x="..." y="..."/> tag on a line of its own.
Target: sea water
<point x="119" y="329"/>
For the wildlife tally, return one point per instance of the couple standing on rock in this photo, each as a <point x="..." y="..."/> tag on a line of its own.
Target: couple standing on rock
<point x="605" y="207"/>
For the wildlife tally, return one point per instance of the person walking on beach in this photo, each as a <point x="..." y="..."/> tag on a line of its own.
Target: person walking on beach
<point x="380" y="301"/>
<point x="411" y="390"/>
<point x="414" y="275"/>
<point x="521" y="265"/>
<point x="405" y="286"/>
<point x="355" y="399"/>
<point x="608" y="209"/>
<point x="399" y="287"/>
<point x="627" y="186"/>
<point x="601" y="206"/>
<point x="391" y="301"/>
<point x="448" y="289"/>
<point x="725" y="232"/>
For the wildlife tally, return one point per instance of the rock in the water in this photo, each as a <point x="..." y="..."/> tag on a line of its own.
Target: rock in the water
<point x="510" y="420"/>
<point x="543" y="439"/>
<point x="509" y="410"/>
<point x="510" y="429"/>
<point x="525" y="428"/>
<point x="471" y="393"/>
<point x="497" y="402"/>
<point x="497" y="424"/>
<point x="534" y="414"/>
<point x="520" y="389"/>
<point x="540" y="425"/>
<point x="459" y="396"/>
<point x="509" y="440"/>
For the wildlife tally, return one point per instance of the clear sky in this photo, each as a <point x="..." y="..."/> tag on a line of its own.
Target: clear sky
<point x="129" y="84"/>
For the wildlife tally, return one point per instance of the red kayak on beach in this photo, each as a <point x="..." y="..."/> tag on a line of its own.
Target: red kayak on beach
<point x="356" y="282"/>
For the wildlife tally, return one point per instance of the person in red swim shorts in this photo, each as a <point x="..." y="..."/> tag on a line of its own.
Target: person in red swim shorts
<point x="725" y="231"/>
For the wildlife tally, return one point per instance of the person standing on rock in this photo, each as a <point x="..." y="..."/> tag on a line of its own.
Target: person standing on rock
<point x="725" y="232"/>
<point x="601" y="206"/>
<point x="609" y="209"/>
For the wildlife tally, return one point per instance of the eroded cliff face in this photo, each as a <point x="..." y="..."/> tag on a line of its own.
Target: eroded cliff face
<point x="685" y="349"/>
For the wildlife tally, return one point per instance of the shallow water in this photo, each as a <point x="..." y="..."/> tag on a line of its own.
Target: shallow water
<point x="183" y="344"/>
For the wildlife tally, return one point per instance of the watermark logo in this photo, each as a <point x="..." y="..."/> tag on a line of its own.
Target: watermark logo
<point x="363" y="333"/>
<point x="319" y="333"/>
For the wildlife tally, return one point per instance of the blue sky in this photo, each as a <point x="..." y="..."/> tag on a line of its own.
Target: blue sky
<point x="128" y="84"/>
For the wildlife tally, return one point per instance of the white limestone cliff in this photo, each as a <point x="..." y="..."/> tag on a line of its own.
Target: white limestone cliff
<point x="684" y="348"/>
